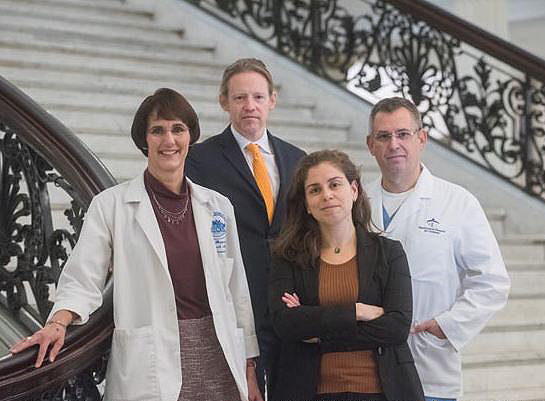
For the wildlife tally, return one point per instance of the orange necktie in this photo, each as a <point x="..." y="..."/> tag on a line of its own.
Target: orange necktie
<point x="262" y="178"/>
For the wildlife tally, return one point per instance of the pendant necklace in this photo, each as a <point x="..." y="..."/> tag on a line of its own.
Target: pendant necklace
<point x="171" y="217"/>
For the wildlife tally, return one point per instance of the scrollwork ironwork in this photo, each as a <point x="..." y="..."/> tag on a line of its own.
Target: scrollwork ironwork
<point x="44" y="168"/>
<point x="32" y="252"/>
<point x="82" y="387"/>
<point x="484" y="109"/>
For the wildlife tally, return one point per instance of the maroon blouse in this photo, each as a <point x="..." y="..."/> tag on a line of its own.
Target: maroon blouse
<point x="181" y="246"/>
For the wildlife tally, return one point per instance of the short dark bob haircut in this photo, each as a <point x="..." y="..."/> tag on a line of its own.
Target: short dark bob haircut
<point x="167" y="104"/>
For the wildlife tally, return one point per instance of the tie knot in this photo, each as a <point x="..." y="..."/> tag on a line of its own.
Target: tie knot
<point x="253" y="148"/>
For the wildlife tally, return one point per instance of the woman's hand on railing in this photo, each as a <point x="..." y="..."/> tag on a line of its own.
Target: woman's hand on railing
<point x="52" y="334"/>
<point x="365" y="312"/>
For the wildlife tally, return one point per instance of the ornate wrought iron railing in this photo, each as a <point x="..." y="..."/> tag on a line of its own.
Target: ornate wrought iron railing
<point x="44" y="166"/>
<point x="479" y="95"/>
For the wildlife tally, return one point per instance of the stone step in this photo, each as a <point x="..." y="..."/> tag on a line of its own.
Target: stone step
<point x="111" y="74"/>
<point x="91" y="30"/>
<point x="28" y="75"/>
<point x="520" y="326"/>
<point x="187" y="52"/>
<point x="106" y="65"/>
<point x="115" y="7"/>
<point x="104" y="143"/>
<point x="524" y="247"/>
<point x="521" y="311"/>
<point x="524" y="265"/>
<point x="527" y="283"/>
<point x="194" y="92"/>
<point x="103" y="44"/>
<point x="504" y="371"/>
<point x="503" y="358"/>
<point x="496" y="217"/>
<point x="507" y="338"/>
<point x="516" y="394"/>
<point x="109" y="42"/>
<point x="112" y="12"/>
<point x="124" y="168"/>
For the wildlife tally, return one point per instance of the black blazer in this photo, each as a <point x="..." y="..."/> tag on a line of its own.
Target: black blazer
<point x="384" y="280"/>
<point x="218" y="164"/>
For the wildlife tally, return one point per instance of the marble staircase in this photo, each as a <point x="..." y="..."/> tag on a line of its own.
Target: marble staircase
<point x="90" y="64"/>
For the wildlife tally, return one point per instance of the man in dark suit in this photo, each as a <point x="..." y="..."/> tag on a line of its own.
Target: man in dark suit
<point x="253" y="169"/>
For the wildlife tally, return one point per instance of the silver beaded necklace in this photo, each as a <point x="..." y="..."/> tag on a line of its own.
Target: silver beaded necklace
<point x="171" y="217"/>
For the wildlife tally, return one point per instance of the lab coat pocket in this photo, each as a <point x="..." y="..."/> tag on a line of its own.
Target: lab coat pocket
<point x="435" y="341"/>
<point x="132" y="366"/>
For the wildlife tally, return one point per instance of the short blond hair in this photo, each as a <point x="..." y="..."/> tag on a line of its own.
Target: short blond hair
<point x="245" y="65"/>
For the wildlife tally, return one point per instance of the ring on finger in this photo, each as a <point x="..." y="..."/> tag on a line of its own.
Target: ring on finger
<point x="29" y="338"/>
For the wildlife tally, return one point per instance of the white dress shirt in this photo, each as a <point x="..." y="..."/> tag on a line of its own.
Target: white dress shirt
<point x="268" y="156"/>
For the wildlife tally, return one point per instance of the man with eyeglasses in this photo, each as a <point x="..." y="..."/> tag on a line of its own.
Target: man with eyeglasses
<point x="458" y="275"/>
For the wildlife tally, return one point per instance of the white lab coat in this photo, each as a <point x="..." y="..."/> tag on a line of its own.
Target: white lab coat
<point x="121" y="231"/>
<point x="457" y="271"/>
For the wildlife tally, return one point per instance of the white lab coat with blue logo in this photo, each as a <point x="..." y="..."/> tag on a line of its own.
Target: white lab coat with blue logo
<point x="121" y="231"/>
<point x="458" y="274"/>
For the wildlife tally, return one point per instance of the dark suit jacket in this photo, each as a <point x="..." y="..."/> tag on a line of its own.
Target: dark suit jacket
<point x="384" y="280"/>
<point x="218" y="164"/>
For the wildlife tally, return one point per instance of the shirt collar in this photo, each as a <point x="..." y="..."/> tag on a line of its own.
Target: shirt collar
<point x="424" y="184"/>
<point x="262" y="142"/>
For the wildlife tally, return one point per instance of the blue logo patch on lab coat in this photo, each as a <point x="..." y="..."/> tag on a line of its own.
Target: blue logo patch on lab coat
<point x="432" y="226"/>
<point x="219" y="232"/>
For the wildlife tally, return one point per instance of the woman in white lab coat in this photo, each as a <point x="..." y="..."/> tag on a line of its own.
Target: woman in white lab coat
<point x="184" y="326"/>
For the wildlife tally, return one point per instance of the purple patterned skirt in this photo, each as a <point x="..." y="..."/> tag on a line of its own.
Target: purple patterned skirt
<point x="205" y="373"/>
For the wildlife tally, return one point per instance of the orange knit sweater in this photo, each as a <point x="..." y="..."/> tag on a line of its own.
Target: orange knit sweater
<point x="354" y="371"/>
